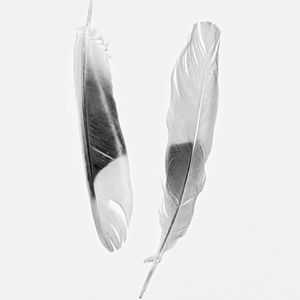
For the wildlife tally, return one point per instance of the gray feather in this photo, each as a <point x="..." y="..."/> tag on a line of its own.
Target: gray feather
<point x="191" y="119"/>
<point x="105" y="154"/>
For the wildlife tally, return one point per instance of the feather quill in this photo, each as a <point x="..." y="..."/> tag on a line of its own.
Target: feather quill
<point x="106" y="161"/>
<point x="190" y="120"/>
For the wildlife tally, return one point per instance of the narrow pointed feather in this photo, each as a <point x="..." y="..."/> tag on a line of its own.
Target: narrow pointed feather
<point x="190" y="120"/>
<point x="104" y="148"/>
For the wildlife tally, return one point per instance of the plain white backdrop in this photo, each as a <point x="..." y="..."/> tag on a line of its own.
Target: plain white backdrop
<point x="244" y="240"/>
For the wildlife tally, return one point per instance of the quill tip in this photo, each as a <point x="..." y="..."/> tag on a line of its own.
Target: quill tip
<point x="146" y="283"/>
<point x="89" y="17"/>
<point x="142" y="291"/>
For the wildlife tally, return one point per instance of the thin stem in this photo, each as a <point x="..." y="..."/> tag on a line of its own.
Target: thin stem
<point x="89" y="17"/>
<point x="154" y="265"/>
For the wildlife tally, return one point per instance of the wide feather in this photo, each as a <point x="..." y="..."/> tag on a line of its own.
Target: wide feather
<point x="191" y="119"/>
<point x="103" y="144"/>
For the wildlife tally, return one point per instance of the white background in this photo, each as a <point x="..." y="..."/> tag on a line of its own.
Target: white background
<point x="244" y="240"/>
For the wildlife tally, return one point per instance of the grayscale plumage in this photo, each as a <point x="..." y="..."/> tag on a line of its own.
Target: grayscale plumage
<point x="191" y="119"/>
<point x="104" y="148"/>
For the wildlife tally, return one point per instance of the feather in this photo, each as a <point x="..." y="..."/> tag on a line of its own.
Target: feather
<point x="106" y="161"/>
<point x="190" y="120"/>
